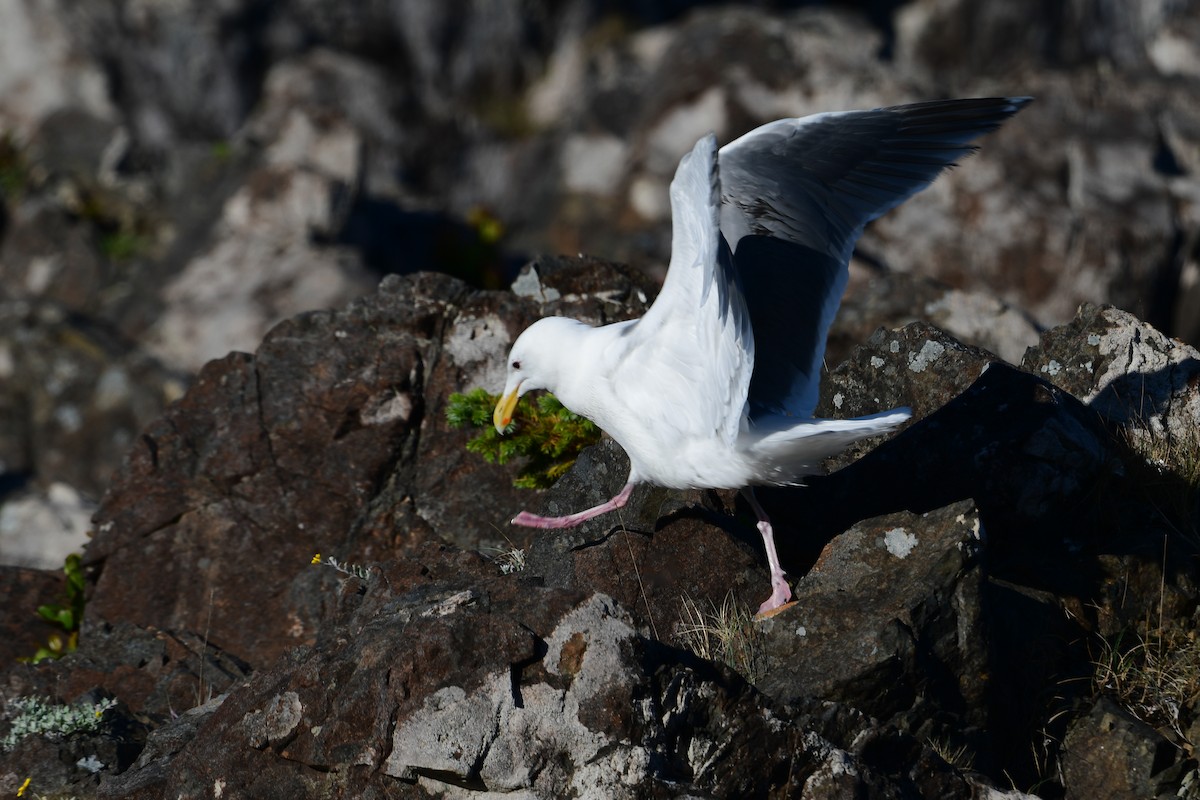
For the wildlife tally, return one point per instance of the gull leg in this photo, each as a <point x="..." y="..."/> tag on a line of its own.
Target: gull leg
<point x="780" y="592"/>
<point x="571" y="520"/>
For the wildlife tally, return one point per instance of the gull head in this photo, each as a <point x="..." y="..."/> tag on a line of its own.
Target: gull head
<point x="534" y="362"/>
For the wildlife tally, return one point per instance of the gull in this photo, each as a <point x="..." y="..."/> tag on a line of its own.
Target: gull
<point x="716" y="385"/>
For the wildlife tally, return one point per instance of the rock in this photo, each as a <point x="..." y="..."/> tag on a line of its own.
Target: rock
<point x="892" y="300"/>
<point x="48" y="255"/>
<point x="965" y="636"/>
<point x="651" y="556"/>
<point x="1124" y="369"/>
<point x="60" y="518"/>
<point x="566" y="696"/>
<point x="1109" y="754"/>
<point x="281" y="137"/>
<point x="44" y="68"/>
<point x="1099" y="32"/>
<point x="22" y="590"/>
<point x="311" y="163"/>
<point x="77" y="395"/>
<point x="916" y="587"/>
<point x="157" y="674"/>
<point x="314" y="443"/>
<point x="216" y="306"/>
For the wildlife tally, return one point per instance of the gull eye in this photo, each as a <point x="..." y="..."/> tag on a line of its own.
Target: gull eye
<point x="516" y="365"/>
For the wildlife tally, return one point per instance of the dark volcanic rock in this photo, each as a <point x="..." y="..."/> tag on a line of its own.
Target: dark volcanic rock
<point x="1110" y="754"/>
<point x="651" y="555"/>
<point x="564" y="695"/>
<point x="953" y="582"/>
<point x="22" y="590"/>
<point x="266" y="461"/>
<point x="1124" y="369"/>
<point x="331" y="438"/>
<point x="909" y="586"/>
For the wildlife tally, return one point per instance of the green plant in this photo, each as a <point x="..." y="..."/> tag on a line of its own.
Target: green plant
<point x="122" y="244"/>
<point x="545" y="433"/>
<point x="14" y="167"/>
<point x="37" y="716"/>
<point x="222" y="150"/>
<point x="123" y="230"/>
<point x="725" y="634"/>
<point x="68" y="614"/>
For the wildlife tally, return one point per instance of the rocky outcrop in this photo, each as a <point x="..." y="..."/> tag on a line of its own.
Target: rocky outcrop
<point x="182" y="177"/>
<point x="957" y="585"/>
<point x="330" y="439"/>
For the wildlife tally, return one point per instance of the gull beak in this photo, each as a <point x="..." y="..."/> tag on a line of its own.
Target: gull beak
<point x="502" y="416"/>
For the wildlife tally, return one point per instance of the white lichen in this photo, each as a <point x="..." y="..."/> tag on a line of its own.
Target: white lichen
<point x="931" y="351"/>
<point x="899" y="542"/>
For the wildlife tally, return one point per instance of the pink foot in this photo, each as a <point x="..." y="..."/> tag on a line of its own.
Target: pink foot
<point x="780" y="592"/>
<point x="780" y="595"/>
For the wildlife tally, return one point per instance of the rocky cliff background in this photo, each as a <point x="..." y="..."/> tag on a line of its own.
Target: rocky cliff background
<point x="182" y="181"/>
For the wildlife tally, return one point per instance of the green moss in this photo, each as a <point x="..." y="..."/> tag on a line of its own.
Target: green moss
<point x="122" y="244"/>
<point x="545" y="433"/>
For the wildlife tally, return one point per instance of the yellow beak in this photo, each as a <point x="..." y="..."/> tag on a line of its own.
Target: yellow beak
<point x="502" y="416"/>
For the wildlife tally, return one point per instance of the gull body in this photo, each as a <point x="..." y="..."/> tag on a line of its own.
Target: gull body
<point x="716" y="385"/>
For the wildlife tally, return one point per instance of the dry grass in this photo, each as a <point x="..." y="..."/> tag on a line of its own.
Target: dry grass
<point x="1155" y="677"/>
<point x="960" y="757"/>
<point x="725" y="634"/>
<point x="510" y="561"/>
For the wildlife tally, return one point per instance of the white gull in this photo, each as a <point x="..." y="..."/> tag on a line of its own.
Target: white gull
<point x="716" y="385"/>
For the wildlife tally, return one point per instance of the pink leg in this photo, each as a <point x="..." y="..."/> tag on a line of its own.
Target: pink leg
<point x="571" y="520"/>
<point x="780" y="592"/>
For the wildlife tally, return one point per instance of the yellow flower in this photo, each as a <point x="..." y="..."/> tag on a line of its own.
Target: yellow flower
<point x="24" y="786"/>
<point x="317" y="559"/>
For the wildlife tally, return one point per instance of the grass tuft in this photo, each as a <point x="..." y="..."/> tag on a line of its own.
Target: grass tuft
<point x="510" y="561"/>
<point x="960" y="757"/>
<point x="1155" y="676"/>
<point x="725" y="634"/>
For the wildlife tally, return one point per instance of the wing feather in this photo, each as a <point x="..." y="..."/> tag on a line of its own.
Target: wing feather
<point x="796" y="196"/>
<point x="695" y="345"/>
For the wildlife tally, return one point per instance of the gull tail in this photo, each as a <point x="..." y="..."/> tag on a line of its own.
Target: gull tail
<point x="785" y="449"/>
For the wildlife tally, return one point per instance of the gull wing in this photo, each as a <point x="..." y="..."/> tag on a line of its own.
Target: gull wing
<point x="796" y="195"/>
<point x="694" y="348"/>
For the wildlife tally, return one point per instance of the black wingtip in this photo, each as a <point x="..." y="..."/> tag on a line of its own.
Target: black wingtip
<point x="937" y="122"/>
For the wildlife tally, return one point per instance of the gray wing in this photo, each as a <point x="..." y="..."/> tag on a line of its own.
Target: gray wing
<point x="796" y="194"/>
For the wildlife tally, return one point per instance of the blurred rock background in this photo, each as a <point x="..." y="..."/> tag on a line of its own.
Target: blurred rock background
<point x="179" y="175"/>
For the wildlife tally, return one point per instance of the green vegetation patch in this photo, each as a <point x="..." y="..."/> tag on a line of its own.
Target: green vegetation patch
<point x="67" y="614"/>
<point x="544" y="432"/>
<point x="35" y="716"/>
